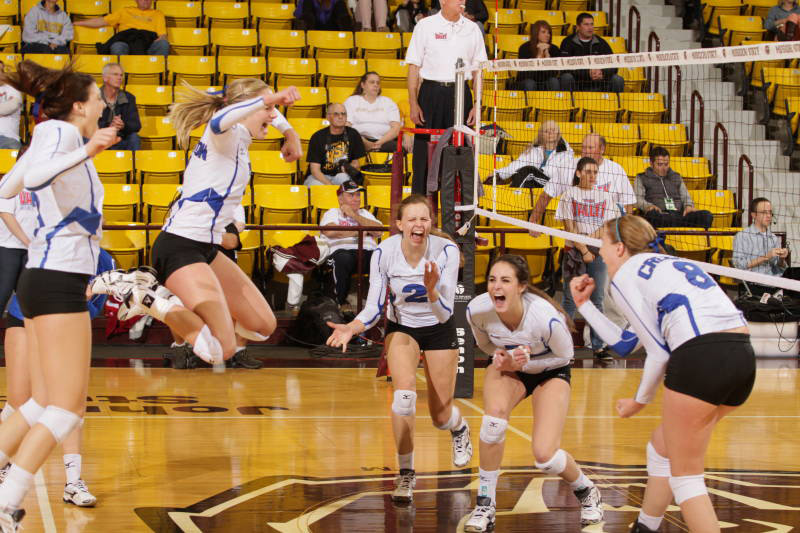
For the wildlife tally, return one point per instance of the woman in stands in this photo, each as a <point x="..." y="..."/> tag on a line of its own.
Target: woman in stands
<point x="696" y="340"/>
<point x="375" y="117"/>
<point x="420" y="272"/>
<point x="549" y="153"/>
<point x="529" y="337"/>
<point x="540" y="45"/>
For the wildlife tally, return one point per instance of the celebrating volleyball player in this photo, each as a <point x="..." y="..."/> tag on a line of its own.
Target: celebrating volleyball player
<point x="420" y="271"/>
<point x="529" y="337"/>
<point x="695" y="339"/>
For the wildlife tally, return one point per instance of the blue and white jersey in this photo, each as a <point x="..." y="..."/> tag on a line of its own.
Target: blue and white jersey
<point x="216" y="176"/>
<point x="408" y="297"/>
<point x="542" y="328"/>
<point x="67" y="195"/>
<point x="667" y="301"/>
<point x="21" y="206"/>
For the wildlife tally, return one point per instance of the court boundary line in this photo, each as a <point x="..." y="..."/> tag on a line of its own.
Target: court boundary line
<point x="43" y="498"/>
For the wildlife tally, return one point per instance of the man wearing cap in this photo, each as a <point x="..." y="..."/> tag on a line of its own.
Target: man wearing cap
<point x="331" y="150"/>
<point x="437" y="43"/>
<point x="344" y="244"/>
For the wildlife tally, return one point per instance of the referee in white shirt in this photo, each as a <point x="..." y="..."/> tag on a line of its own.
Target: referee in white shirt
<point x="437" y="43"/>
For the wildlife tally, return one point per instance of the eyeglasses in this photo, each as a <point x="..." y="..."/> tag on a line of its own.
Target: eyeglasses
<point x="764" y="213"/>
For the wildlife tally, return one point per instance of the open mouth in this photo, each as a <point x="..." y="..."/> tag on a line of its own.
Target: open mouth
<point x="499" y="298"/>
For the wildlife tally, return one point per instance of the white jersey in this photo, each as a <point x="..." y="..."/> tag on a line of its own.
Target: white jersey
<point x="408" y="298"/>
<point x="667" y="301"/>
<point x="68" y="197"/>
<point x="216" y="176"/>
<point x="542" y="329"/>
<point x="21" y="206"/>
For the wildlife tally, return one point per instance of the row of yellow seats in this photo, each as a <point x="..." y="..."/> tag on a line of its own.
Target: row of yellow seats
<point x="562" y="21"/>
<point x="713" y="10"/>
<point x="508" y="44"/>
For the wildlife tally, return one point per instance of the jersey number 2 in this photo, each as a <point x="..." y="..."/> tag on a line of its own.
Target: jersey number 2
<point x="418" y="293"/>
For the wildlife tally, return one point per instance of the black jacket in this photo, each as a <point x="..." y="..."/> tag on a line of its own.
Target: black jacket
<point x="573" y="46"/>
<point x="525" y="52"/>
<point x="125" y="107"/>
<point x="138" y="40"/>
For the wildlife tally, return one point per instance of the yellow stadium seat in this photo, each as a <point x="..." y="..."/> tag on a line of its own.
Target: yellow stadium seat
<point x="234" y="42"/>
<point x="597" y="107"/>
<point x="722" y="246"/>
<point x="271" y="142"/>
<point x="753" y="69"/>
<point x="195" y="70"/>
<point x="393" y="72"/>
<point x="152" y="100"/>
<point x="86" y="9"/>
<point x="488" y="163"/>
<point x="226" y="14"/>
<point x="781" y="84"/>
<point x="269" y="168"/>
<point x="740" y="28"/>
<point x="572" y="5"/>
<point x="157" y="133"/>
<point x="337" y="95"/>
<point x="311" y="104"/>
<point x="330" y="43"/>
<point x="522" y="135"/>
<point x="621" y="139"/>
<point x="600" y="20"/>
<point x="144" y="70"/>
<point x="509" y="105"/>
<point x="719" y="202"/>
<point x="695" y="171"/>
<point x="234" y="67"/>
<point x="670" y="136"/>
<point x="643" y="107"/>
<point x="759" y="8"/>
<point x="251" y="252"/>
<point x="322" y="198"/>
<point x="156" y="199"/>
<point x="282" y="43"/>
<point x="182" y="14"/>
<point x="10" y="60"/>
<point x="554" y="18"/>
<point x="272" y="16"/>
<point x="121" y="202"/>
<point x="189" y="41"/>
<point x="508" y="45"/>
<point x="379" y="201"/>
<point x="537" y="251"/>
<point x="714" y="9"/>
<point x="54" y="61"/>
<point x="633" y="165"/>
<point x="510" y="201"/>
<point x="617" y="45"/>
<point x="551" y="105"/>
<point x="574" y="132"/>
<point x="160" y="167"/>
<point x="287" y="71"/>
<point x="340" y="72"/>
<point x="93" y="64"/>
<point x="9" y="13"/>
<point x="281" y="204"/>
<point x="529" y="4"/>
<point x="85" y="39"/>
<point x="114" y="166"/>
<point x="695" y="247"/>
<point x="508" y="21"/>
<point x="7" y="160"/>
<point x="286" y="238"/>
<point x="305" y="128"/>
<point x="634" y="79"/>
<point x="11" y="40"/>
<point x="378" y="45"/>
<point x="126" y="246"/>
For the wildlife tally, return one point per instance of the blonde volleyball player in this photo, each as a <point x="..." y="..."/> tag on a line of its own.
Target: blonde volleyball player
<point x="696" y="340"/>
<point x="420" y="271"/>
<point x="63" y="253"/>
<point x="529" y="337"/>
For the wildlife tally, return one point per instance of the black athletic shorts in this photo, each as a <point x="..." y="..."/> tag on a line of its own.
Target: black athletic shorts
<point x="718" y="368"/>
<point x="531" y="381"/>
<point x="14" y="322"/>
<point x="436" y="337"/>
<point x="172" y="252"/>
<point x="49" y="292"/>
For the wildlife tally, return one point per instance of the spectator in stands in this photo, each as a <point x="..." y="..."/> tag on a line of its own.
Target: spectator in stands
<point x="333" y="152"/>
<point x="344" y="244"/>
<point x="141" y="30"/>
<point x="786" y="11"/>
<point x="539" y="45"/>
<point x="47" y="29"/>
<point x="663" y="198"/>
<point x="332" y="15"/>
<point x="408" y="13"/>
<point x="474" y="10"/>
<point x="584" y="42"/>
<point x="756" y="248"/>
<point x="365" y="11"/>
<point x="549" y="153"/>
<point x="120" y="111"/>
<point x="10" y="109"/>
<point x="375" y="117"/>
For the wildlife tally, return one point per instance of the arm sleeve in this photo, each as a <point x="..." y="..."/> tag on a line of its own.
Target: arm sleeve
<point x="741" y="256"/>
<point x="161" y="23"/>
<point x="132" y="121"/>
<point x="52" y="161"/>
<point x="524" y="159"/>
<point x="393" y="111"/>
<point x="376" y="297"/>
<point x="415" y="47"/>
<point x="11" y="105"/>
<point x="626" y="195"/>
<point x="685" y="196"/>
<point x="112" y="19"/>
<point x="13" y="182"/>
<point x="316" y="153"/>
<point x="280" y="123"/>
<point x="67" y="32"/>
<point x="29" y="31"/>
<point x="772" y="17"/>
<point x="561" y="348"/>
<point x="226" y="117"/>
<point x="641" y="203"/>
<point x="562" y="212"/>
<point x="448" y="278"/>
<point x="480" y="335"/>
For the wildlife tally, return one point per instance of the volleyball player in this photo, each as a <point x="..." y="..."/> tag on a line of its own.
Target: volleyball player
<point x="529" y="337"/>
<point x="420" y="271"/>
<point x="695" y="339"/>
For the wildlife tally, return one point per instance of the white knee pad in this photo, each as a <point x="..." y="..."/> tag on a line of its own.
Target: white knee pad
<point x="31" y="411"/>
<point x="59" y="421"/>
<point x="455" y="416"/>
<point x="207" y="347"/>
<point x="247" y="334"/>
<point x="686" y="487"/>
<point x="493" y="429"/>
<point x="657" y="464"/>
<point x="405" y="402"/>
<point x="6" y="413"/>
<point x="555" y="465"/>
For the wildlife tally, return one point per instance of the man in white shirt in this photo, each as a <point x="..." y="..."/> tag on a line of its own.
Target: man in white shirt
<point x="10" y="109"/>
<point x="344" y="244"/>
<point x="437" y="43"/>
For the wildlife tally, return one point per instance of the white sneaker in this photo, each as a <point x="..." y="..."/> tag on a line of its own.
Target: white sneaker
<point x="404" y="486"/>
<point x="136" y="302"/>
<point x="77" y="493"/>
<point x="119" y="282"/>
<point x="591" y="505"/>
<point x="4" y="472"/>
<point x="10" y="520"/>
<point x="462" y="446"/>
<point x="482" y="517"/>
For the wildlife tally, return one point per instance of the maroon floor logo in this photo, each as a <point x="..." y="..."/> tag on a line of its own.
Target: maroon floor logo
<point x="527" y="500"/>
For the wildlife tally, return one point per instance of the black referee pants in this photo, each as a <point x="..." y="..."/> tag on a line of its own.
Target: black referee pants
<point x="438" y="103"/>
<point x="345" y="264"/>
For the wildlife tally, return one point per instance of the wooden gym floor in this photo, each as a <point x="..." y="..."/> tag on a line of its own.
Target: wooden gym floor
<point x="310" y="450"/>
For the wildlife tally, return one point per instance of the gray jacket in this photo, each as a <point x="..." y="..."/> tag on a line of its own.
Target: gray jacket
<point x="44" y="27"/>
<point x="652" y="189"/>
